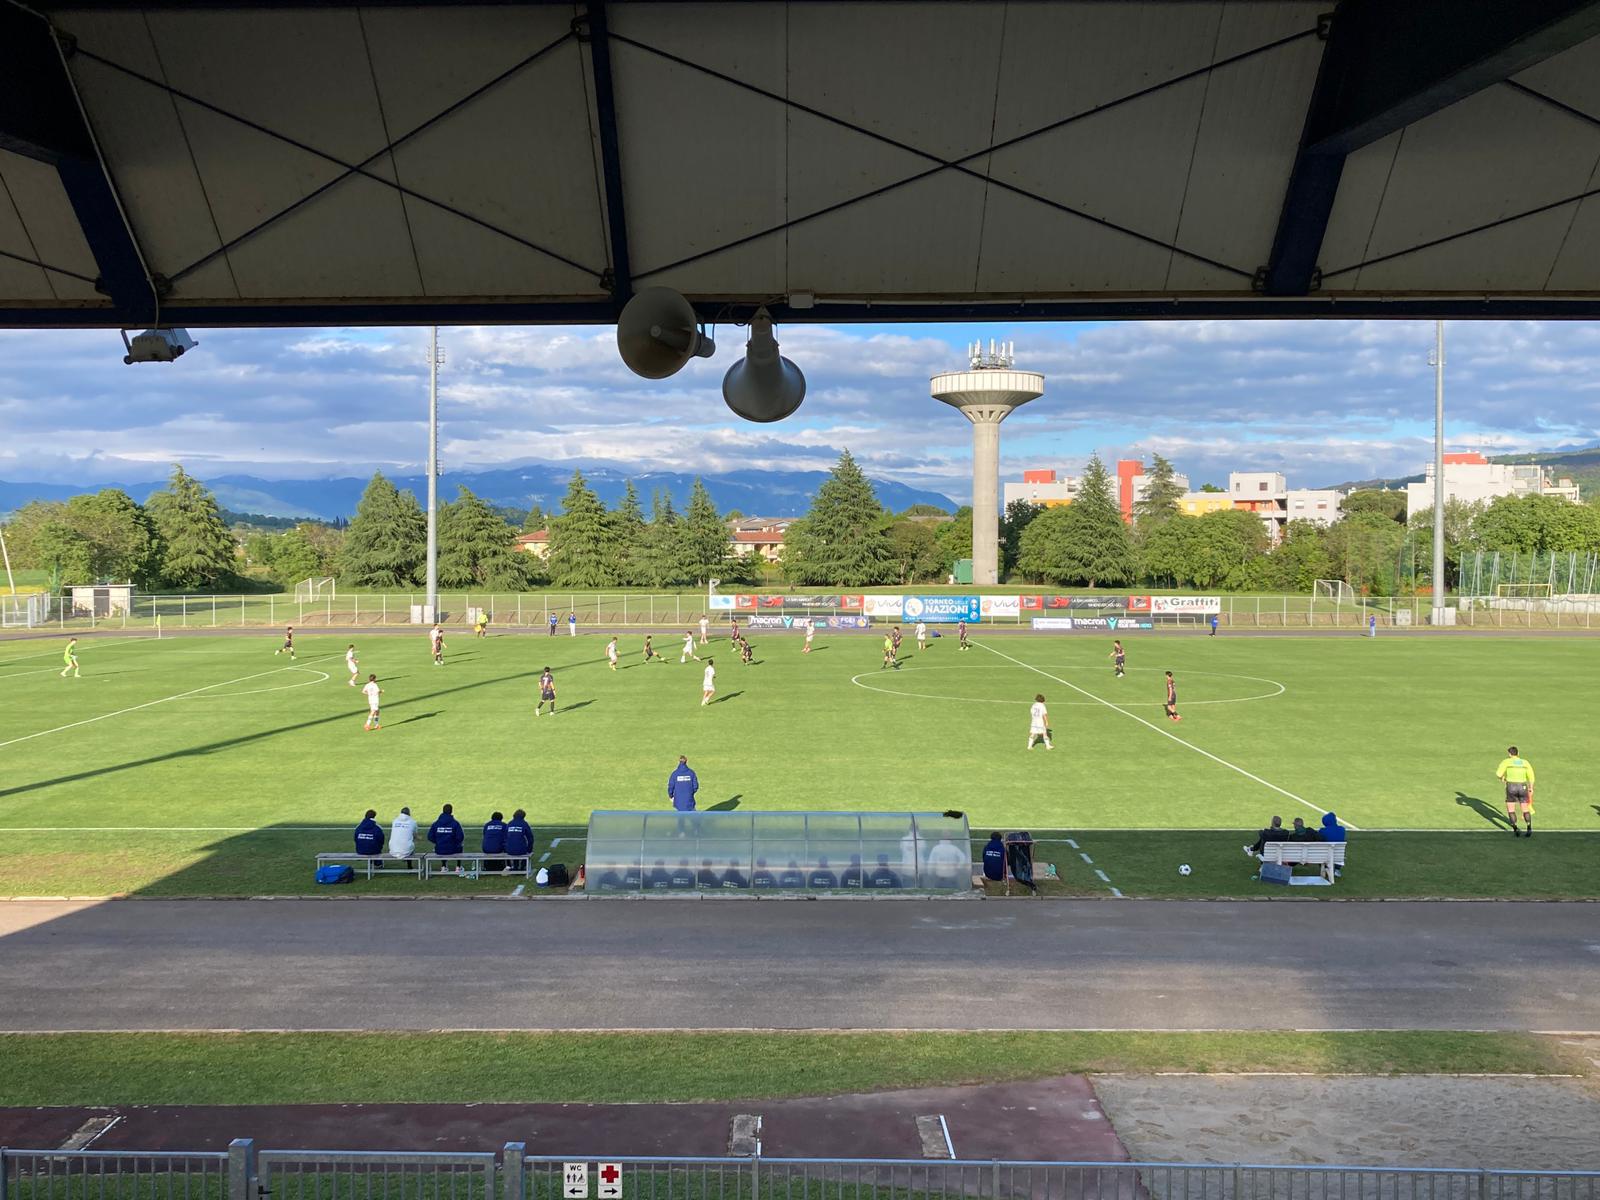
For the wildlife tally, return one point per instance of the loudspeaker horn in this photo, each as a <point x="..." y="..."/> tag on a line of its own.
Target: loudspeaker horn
<point x="658" y="333"/>
<point x="763" y="385"/>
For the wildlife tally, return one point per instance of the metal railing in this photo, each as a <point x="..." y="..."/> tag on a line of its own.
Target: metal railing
<point x="244" y="1173"/>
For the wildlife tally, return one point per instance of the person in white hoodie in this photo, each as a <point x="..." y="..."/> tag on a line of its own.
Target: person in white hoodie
<point x="403" y="835"/>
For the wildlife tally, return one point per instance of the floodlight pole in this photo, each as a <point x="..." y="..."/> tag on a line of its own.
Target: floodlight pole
<point x="433" y="478"/>
<point x="1438" y="473"/>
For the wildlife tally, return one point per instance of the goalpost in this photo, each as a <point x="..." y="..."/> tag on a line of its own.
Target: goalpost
<point x="1336" y="590"/>
<point x="315" y="588"/>
<point x="1523" y="591"/>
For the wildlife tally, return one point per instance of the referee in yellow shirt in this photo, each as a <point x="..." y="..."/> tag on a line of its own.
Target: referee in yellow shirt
<point x="1517" y="772"/>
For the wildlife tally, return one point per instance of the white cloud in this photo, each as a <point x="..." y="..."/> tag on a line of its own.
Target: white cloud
<point x="1321" y="401"/>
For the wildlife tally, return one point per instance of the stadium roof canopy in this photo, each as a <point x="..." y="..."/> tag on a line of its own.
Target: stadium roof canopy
<point x="282" y="163"/>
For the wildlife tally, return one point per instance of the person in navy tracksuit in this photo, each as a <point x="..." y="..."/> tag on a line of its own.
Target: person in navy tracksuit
<point x="494" y="842"/>
<point x="994" y="859"/>
<point x="446" y="833"/>
<point x="519" y="841"/>
<point x="682" y="784"/>
<point x="369" y="834"/>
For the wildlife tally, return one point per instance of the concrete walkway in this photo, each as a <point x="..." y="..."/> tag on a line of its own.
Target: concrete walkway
<point x="439" y="964"/>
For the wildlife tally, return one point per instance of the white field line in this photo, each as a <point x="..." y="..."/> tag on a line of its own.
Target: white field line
<point x="95" y="642"/>
<point x="1104" y="878"/>
<point x="150" y="704"/>
<point x="1166" y="733"/>
<point x="1085" y="858"/>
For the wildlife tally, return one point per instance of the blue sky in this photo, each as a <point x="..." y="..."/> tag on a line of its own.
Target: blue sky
<point x="1321" y="401"/>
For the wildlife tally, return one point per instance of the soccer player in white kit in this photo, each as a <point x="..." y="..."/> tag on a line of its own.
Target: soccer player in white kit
<point x="922" y="635"/>
<point x="350" y="663"/>
<point x="708" y="683"/>
<point x="705" y="630"/>
<point x="1039" y="723"/>
<point x="688" y="648"/>
<point x="611" y="652"/>
<point x="373" y="691"/>
<point x="436" y="640"/>
<point x="811" y="632"/>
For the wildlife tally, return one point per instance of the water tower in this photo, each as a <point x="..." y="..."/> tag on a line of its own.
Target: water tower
<point x="986" y="393"/>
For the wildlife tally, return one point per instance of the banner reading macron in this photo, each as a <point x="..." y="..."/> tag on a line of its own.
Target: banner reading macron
<point x="943" y="610"/>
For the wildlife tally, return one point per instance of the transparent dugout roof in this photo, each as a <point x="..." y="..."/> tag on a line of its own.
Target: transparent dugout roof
<point x="645" y="853"/>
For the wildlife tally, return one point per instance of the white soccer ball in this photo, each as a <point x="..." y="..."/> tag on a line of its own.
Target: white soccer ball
<point x="1183" y="870"/>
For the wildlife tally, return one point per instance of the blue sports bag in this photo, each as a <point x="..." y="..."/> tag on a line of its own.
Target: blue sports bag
<point x="340" y="873"/>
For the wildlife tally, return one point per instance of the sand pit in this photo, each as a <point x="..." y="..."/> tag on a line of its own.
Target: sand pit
<point x="1409" y="1121"/>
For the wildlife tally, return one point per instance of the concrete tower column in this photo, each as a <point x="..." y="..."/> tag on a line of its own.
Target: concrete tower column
<point x="986" y="395"/>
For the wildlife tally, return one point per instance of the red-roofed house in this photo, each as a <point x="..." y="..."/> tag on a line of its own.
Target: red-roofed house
<point x="537" y="543"/>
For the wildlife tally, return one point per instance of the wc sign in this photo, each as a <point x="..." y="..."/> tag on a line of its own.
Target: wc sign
<point x="575" y="1181"/>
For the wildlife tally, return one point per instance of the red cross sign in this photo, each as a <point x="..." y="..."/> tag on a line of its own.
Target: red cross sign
<point x="609" y="1186"/>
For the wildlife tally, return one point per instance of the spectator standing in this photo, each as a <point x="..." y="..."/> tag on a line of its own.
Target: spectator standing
<point x="1213" y="624"/>
<point x="553" y="620"/>
<point x="572" y="624"/>
<point x="369" y="834"/>
<point x="682" y="784"/>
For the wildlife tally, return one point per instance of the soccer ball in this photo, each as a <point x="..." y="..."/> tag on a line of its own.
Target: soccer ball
<point x="1183" y="870"/>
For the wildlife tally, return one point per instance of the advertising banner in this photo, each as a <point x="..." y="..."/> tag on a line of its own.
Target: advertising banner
<point x="1139" y="604"/>
<point x="1098" y="603"/>
<point x="882" y="606"/>
<point x="829" y="601"/>
<point x="946" y="610"/>
<point x="1119" y="624"/>
<point x="1000" y="606"/>
<point x="1030" y="603"/>
<point x="845" y="623"/>
<point x="1093" y="624"/>
<point x="1185" y="604"/>
<point x="721" y="603"/>
<point x="763" y="621"/>
<point x="850" y="603"/>
<point x="744" y="601"/>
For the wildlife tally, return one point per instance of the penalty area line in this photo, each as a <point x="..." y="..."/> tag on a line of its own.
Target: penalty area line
<point x="1166" y="733"/>
<point x="152" y="703"/>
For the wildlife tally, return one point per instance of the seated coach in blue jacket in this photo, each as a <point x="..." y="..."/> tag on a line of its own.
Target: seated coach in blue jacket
<point x="446" y="833"/>
<point x="519" y="840"/>
<point x="369" y="834"/>
<point x="494" y="841"/>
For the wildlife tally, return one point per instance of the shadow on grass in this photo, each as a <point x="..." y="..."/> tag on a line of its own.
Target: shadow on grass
<point x="728" y="805"/>
<point x="418" y="717"/>
<point x="349" y="714"/>
<point x="718" y="700"/>
<point x="1484" y="809"/>
<point x="575" y="707"/>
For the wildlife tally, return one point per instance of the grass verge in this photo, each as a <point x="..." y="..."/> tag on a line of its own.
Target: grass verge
<point x="269" y="1068"/>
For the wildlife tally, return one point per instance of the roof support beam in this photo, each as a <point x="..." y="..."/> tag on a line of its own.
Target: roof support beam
<point x="40" y="118"/>
<point x="1387" y="64"/>
<point x="620" y="281"/>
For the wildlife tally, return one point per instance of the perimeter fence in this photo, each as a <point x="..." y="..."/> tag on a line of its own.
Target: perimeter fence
<point x="245" y="1173"/>
<point x="676" y="612"/>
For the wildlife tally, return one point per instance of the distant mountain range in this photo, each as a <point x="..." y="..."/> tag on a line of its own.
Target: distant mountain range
<point x="754" y="493"/>
<point x="1581" y="466"/>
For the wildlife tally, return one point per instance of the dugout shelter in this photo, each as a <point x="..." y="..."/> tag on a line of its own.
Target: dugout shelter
<point x="776" y="853"/>
<point x="301" y="162"/>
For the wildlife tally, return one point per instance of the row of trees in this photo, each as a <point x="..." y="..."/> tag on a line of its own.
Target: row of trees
<point x="175" y="539"/>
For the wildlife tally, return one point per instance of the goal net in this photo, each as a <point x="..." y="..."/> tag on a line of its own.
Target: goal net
<point x="314" y="589"/>
<point x="1336" y="590"/>
<point x="1525" y="591"/>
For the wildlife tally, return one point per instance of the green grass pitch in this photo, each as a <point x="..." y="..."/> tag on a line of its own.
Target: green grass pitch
<point x="206" y="764"/>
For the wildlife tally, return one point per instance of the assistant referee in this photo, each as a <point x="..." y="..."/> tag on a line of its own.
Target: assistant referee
<point x="1517" y="772"/>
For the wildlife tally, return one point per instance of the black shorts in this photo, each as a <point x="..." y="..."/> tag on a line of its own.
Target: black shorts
<point x="547" y="694"/>
<point x="1516" y="791"/>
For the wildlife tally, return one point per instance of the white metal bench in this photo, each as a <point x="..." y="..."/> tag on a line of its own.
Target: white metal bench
<point x="1323" y="855"/>
<point x="435" y="865"/>
<point x="375" y="864"/>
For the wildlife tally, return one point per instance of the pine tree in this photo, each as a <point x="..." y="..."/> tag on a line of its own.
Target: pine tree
<point x="196" y="548"/>
<point x="1162" y="493"/>
<point x="535" y="520"/>
<point x="842" y="541"/>
<point x="628" y="536"/>
<point x="663" y="552"/>
<point x="386" y="544"/>
<point x="477" y="549"/>
<point x="581" y="545"/>
<point x="703" y="537"/>
<point x="1095" y="547"/>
